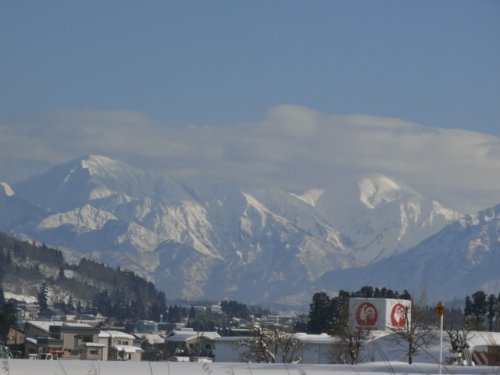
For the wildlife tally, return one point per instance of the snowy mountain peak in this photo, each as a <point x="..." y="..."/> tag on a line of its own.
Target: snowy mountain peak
<point x="310" y="197"/>
<point x="6" y="190"/>
<point x="483" y="216"/>
<point x="446" y="213"/>
<point x="100" y="165"/>
<point x="377" y="189"/>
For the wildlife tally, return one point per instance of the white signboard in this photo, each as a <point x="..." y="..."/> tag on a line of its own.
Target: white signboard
<point x="379" y="313"/>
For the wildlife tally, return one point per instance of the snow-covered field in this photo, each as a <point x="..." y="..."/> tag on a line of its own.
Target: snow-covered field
<point x="28" y="367"/>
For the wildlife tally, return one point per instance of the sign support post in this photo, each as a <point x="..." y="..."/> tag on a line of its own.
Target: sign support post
<point x="440" y="313"/>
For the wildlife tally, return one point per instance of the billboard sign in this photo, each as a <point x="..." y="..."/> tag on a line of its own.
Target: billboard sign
<point x="379" y="313"/>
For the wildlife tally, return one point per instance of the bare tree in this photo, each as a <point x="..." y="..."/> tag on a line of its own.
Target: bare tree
<point x="459" y="338"/>
<point x="458" y="330"/>
<point x="415" y="334"/>
<point x="350" y="344"/>
<point x="270" y="346"/>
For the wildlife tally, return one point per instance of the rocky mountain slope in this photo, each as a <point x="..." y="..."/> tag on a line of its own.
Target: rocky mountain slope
<point x="218" y="240"/>
<point x="462" y="258"/>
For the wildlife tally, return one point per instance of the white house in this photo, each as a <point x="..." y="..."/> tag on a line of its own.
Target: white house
<point x="314" y="349"/>
<point x="120" y="346"/>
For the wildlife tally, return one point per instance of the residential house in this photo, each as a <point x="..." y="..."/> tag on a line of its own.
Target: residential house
<point x="66" y="340"/>
<point x="121" y="346"/>
<point x="190" y="343"/>
<point x="40" y="339"/>
<point x="80" y="341"/>
<point x="14" y="337"/>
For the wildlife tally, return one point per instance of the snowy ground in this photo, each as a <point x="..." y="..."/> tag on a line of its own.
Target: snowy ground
<point x="27" y="367"/>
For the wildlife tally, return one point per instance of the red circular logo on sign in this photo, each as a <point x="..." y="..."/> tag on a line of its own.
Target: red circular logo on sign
<point x="366" y="314"/>
<point x="398" y="315"/>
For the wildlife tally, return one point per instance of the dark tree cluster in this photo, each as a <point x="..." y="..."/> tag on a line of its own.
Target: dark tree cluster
<point x="235" y="309"/>
<point x="482" y="311"/>
<point x="330" y="314"/>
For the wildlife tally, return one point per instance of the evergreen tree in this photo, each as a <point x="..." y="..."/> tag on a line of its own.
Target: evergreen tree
<point x="2" y="298"/>
<point x="7" y="319"/>
<point x="320" y="314"/>
<point x="476" y="310"/>
<point x="43" y="301"/>
<point x="192" y="313"/>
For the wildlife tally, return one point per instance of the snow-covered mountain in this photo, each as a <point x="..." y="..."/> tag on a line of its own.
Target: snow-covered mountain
<point x="193" y="241"/>
<point x="218" y="240"/>
<point x="462" y="258"/>
<point x="382" y="216"/>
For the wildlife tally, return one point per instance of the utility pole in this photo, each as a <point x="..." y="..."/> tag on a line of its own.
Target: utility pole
<point x="440" y="313"/>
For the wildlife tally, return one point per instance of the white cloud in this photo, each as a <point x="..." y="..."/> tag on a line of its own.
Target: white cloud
<point x="293" y="147"/>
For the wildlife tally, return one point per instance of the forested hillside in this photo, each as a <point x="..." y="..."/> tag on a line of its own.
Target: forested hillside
<point x="31" y="270"/>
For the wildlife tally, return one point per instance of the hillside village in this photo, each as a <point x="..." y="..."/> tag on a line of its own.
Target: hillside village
<point x="89" y="311"/>
<point x="91" y="337"/>
<point x="372" y="323"/>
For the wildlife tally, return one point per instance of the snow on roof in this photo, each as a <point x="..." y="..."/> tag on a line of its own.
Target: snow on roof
<point x="127" y="348"/>
<point x="153" y="338"/>
<point x="303" y="337"/>
<point x="185" y="335"/>
<point x="20" y="297"/>
<point x="480" y="338"/>
<point x="30" y="340"/>
<point x="210" y="335"/>
<point x="115" y="335"/>
<point x="45" y="325"/>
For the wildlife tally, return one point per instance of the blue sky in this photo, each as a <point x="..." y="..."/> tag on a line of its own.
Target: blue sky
<point x="295" y="94"/>
<point x="436" y="63"/>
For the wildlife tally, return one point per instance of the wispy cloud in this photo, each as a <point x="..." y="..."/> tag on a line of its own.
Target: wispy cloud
<point x="292" y="147"/>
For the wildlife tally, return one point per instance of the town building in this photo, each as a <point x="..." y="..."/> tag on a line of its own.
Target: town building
<point x="189" y="343"/>
<point x="312" y="348"/>
<point x="79" y="341"/>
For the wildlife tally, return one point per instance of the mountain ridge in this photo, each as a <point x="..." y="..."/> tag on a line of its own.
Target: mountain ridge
<point x="220" y="240"/>
<point x="461" y="258"/>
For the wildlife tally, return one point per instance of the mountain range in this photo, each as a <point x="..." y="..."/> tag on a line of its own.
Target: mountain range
<point x="254" y="244"/>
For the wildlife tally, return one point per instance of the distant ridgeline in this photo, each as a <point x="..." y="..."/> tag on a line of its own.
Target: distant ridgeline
<point x="86" y="287"/>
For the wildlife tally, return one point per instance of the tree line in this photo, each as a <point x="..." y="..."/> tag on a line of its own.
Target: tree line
<point x="85" y="287"/>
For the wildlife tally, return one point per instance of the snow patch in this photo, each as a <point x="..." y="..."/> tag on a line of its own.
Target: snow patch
<point x="139" y="237"/>
<point x="310" y="197"/>
<point x="447" y="213"/>
<point x="83" y="219"/>
<point x="99" y="193"/>
<point x="97" y="164"/>
<point x="20" y="297"/>
<point x="376" y="190"/>
<point x="6" y="189"/>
